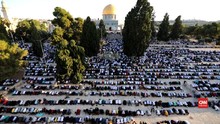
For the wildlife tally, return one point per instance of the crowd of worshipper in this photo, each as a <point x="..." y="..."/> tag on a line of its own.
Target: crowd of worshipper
<point x="30" y="56"/>
<point x="39" y="69"/>
<point x="9" y="82"/>
<point x="205" y="85"/>
<point x="154" y="58"/>
<point x="207" y="89"/>
<point x="39" y="80"/>
<point x="104" y="94"/>
<point x="23" y="110"/>
<point x="64" y="119"/>
<point x="172" y="122"/>
<point x="168" y="112"/>
<point x="5" y="84"/>
<point x="121" y="112"/>
<point x="79" y="101"/>
<point x="98" y="89"/>
<point x="137" y="76"/>
<point x="48" y="53"/>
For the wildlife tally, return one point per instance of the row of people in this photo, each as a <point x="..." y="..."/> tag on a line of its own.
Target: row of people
<point x="4" y="88"/>
<point x="99" y="102"/>
<point x="172" y="122"/>
<point x="63" y="119"/>
<point x="139" y="112"/>
<point x="119" y="112"/>
<point x="105" y="94"/>
<point x="39" y="80"/>
<point x="207" y="94"/>
<point x="122" y="82"/>
<point x="167" y="112"/>
<point x="16" y="110"/>
<point x="35" y="69"/>
<point x="109" y="87"/>
<point x="154" y="76"/>
<point x="9" y="82"/>
<point x="205" y="86"/>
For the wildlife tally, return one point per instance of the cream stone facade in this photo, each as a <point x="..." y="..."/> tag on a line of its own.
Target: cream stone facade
<point x="109" y="18"/>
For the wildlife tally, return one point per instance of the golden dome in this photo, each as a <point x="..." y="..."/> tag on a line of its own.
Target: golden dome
<point x="109" y="9"/>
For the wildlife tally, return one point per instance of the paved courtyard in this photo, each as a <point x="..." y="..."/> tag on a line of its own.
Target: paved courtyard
<point x="170" y="75"/>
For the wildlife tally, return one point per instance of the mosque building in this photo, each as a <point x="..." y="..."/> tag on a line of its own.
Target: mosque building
<point x="109" y="18"/>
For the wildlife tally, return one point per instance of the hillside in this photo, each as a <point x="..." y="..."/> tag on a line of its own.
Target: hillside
<point x="191" y="22"/>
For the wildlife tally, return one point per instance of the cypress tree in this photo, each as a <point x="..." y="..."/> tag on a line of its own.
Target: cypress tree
<point x="36" y="41"/>
<point x="177" y="29"/>
<point x="137" y="29"/>
<point x="163" y="33"/>
<point x="90" y="39"/>
<point x="102" y="30"/>
<point x="153" y="30"/>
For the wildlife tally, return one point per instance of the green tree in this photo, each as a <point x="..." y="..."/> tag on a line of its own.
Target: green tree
<point x="69" y="56"/>
<point x="210" y="30"/>
<point x="3" y="32"/>
<point x="72" y="27"/>
<point x="36" y="41"/>
<point x="153" y="30"/>
<point x="177" y="29"/>
<point x="189" y="30"/>
<point x="102" y="30"/>
<point x="33" y="31"/>
<point x="163" y="33"/>
<point x="10" y="59"/>
<point x="90" y="39"/>
<point x="78" y="27"/>
<point x="24" y="29"/>
<point x="207" y="31"/>
<point x="137" y="29"/>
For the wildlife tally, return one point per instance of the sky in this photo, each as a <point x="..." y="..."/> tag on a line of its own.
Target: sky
<point x="42" y="9"/>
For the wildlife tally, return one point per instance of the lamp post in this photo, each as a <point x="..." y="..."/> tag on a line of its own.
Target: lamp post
<point x="41" y="45"/>
<point x="42" y="50"/>
<point x="101" y="30"/>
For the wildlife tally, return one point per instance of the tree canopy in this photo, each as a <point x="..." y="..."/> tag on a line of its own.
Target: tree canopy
<point x="102" y="31"/>
<point x="90" y="40"/>
<point x="72" y="27"/>
<point x="177" y="29"/>
<point x="24" y="29"/>
<point x="137" y="29"/>
<point x="210" y="31"/>
<point x="69" y="56"/>
<point x="36" y="40"/>
<point x="163" y="33"/>
<point x="153" y="30"/>
<point x="3" y="32"/>
<point x="34" y="32"/>
<point x="10" y="54"/>
<point x="10" y="59"/>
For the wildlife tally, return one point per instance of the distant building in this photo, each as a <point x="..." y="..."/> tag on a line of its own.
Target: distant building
<point x="5" y="15"/>
<point x="4" y="10"/>
<point x="109" y="18"/>
<point x="14" y="21"/>
<point x="50" y="26"/>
